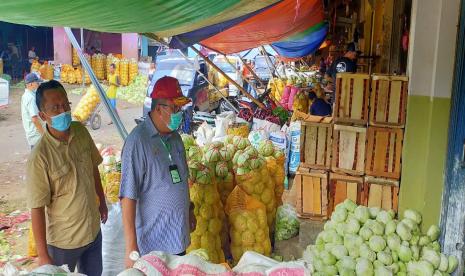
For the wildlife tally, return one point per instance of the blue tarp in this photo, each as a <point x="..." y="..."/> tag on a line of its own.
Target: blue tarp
<point x="302" y="46"/>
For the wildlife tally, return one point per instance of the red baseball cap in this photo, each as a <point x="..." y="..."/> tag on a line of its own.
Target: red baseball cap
<point x="168" y="88"/>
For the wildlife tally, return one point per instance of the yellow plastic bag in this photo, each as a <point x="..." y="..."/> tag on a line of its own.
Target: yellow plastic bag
<point x="259" y="184"/>
<point x="276" y="168"/>
<point x="87" y="104"/>
<point x="111" y="186"/>
<point x="31" y="247"/>
<point x="208" y="212"/>
<point x="248" y="224"/>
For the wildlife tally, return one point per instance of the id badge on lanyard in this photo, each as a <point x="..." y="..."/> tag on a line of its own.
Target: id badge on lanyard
<point x="174" y="172"/>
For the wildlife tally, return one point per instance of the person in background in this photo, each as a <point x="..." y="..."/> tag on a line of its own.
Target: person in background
<point x="31" y="55"/>
<point x="154" y="191"/>
<point x="33" y="125"/>
<point x="281" y="69"/>
<point x="114" y="82"/>
<point x="320" y="106"/>
<point x="151" y="72"/>
<point x="346" y="63"/>
<point x="63" y="189"/>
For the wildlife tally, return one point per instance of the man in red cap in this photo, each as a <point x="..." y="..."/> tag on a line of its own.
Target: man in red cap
<point x="154" y="191"/>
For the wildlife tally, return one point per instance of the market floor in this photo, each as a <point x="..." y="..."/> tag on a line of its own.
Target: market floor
<point x="14" y="151"/>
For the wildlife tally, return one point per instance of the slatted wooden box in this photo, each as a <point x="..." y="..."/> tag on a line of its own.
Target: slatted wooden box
<point x="315" y="143"/>
<point x="348" y="150"/>
<point x="342" y="187"/>
<point x="383" y="153"/>
<point x="352" y="97"/>
<point x="312" y="193"/>
<point x="388" y="100"/>
<point x="380" y="192"/>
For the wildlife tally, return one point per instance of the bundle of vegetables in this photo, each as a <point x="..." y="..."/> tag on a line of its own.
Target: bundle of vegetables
<point x="369" y="241"/>
<point x="111" y="184"/>
<point x="65" y="71"/>
<point x="277" y="87"/>
<point x="111" y="59"/>
<point x="208" y="212"/>
<point x="282" y="114"/>
<point x="46" y="71"/>
<point x="248" y="224"/>
<point x="124" y="72"/>
<point x="75" y="58"/>
<point x="133" y="69"/>
<point x="135" y="91"/>
<point x="98" y="65"/>
<point x="287" y="223"/>
<point x="275" y="163"/>
<point x="87" y="104"/>
<point x="300" y="102"/>
<point x="253" y="177"/>
<point x="35" y="66"/>
<point x="239" y="129"/>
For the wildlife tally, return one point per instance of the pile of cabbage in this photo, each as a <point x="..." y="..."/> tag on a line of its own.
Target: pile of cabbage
<point x="369" y="241"/>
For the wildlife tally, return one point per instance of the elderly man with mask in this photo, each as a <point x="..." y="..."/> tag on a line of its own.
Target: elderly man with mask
<point x="32" y="124"/>
<point x="154" y="191"/>
<point x="64" y="190"/>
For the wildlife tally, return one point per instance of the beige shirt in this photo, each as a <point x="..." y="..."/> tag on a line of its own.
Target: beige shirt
<point x="60" y="177"/>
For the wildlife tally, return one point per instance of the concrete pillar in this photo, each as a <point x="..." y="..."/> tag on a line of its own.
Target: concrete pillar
<point x="129" y="45"/>
<point x="433" y="34"/>
<point x="62" y="51"/>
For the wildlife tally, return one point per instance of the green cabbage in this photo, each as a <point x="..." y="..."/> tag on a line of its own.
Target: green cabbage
<point x="377" y="243"/>
<point x="390" y="227"/>
<point x="383" y="271"/>
<point x="384" y="217"/>
<point x="393" y="242"/>
<point x="453" y="263"/>
<point x="339" y="215"/>
<point x="431" y="256"/>
<point x="364" y="267"/>
<point x="365" y="233"/>
<point x="405" y="253"/>
<point x="362" y="213"/>
<point x="385" y="258"/>
<point x="433" y="232"/>
<point x="374" y="211"/>
<point x="287" y="223"/>
<point x="349" y="205"/>
<point x="424" y="240"/>
<point x="404" y="232"/>
<point x="327" y="258"/>
<point x="444" y="263"/>
<point x="413" y="215"/>
<point x="352" y="226"/>
<point x="420" y="268"/>
<point x="339" y="251"/>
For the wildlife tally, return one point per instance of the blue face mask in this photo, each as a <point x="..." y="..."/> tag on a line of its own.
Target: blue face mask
<point x="175" y="121"/>
<point x="61" y="122"/>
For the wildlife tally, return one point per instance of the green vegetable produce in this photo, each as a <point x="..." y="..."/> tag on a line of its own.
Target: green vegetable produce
<point x="370" y="241"/>
<point x="433" y="232"/>
<point x="377" y="243"/>
<point x="287" y="223"/>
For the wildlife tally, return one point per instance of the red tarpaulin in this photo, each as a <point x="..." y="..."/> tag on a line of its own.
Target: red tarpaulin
<point x="276" y="23"/>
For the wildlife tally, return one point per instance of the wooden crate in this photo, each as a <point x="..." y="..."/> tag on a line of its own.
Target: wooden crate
<point x="383" y="153"/>
<point x="388" y="100"/>
<point x="380" y="192"/>
<point x="343" y="186"/>
<point x="351" y="101"/>
<point x="315" y="143"/>
<point x="348" y="150"/>
<point x="312" y="193"/>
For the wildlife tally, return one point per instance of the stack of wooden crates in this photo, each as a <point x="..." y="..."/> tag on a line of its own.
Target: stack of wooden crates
<point x="356" y="154"/>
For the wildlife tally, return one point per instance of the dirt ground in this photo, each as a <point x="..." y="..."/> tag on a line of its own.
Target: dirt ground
<point x="14" y="153"/>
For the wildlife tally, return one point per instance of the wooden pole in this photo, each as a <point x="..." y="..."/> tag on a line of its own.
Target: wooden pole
<point x="207" y="60"/>
<point x="251" y="70"/>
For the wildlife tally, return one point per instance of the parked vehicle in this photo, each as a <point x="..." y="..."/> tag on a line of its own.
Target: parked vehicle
<point x="221" y="82"/>
<point x="261" y="67"/>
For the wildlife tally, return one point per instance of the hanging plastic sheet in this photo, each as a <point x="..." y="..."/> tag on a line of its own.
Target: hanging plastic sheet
<point x="284" y="19"/>
<point x="185" y="40"/>
<point x="162" y="17"/>
<point x="303" y="44"/>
